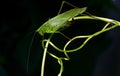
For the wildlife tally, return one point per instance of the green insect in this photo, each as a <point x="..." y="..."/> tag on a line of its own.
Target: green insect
<point x="59" y="21"/>
<point x="55" y="24"/>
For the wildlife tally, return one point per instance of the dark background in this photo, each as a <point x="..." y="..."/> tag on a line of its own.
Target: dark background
<point x="20" y="19"/>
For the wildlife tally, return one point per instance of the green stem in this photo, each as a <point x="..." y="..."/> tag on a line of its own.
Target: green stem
<point x="90" y="36"/>
<point x="44" y="55"/>
<point x="59" y="61"/>
<point x="96" y="18"/>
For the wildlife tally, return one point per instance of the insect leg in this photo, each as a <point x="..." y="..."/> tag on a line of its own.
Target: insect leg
<point x="63" y="2"/>
<point x="63" y="35"/>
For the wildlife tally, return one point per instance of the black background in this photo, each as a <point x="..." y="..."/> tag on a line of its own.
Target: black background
<point x="20" y="19"/>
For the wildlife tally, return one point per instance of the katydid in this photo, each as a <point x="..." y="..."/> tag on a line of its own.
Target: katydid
<point x="59" y="21"/>
<point x="55" y="24"/>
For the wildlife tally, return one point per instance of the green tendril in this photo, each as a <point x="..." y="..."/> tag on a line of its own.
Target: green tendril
<point x="47" y="42"/>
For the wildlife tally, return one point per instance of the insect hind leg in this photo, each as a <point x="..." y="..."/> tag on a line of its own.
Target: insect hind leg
<point x="65" y="2"/>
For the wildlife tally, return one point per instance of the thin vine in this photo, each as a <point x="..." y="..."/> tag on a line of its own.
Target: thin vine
<point x="88" y="37"/>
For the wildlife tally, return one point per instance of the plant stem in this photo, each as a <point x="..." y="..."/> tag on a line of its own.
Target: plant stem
<point x="44" y="57"/>
<point x="88" y="37"/>
<point x="96" y="18"/>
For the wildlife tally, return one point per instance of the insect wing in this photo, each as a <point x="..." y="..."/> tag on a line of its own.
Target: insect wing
<point x="57" y="22"/>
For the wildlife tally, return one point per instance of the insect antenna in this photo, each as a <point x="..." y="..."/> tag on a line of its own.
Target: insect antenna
<point x="29" y="50"/>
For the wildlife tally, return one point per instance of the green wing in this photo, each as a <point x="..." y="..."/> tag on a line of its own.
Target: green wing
<point x="59" y="21"/>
